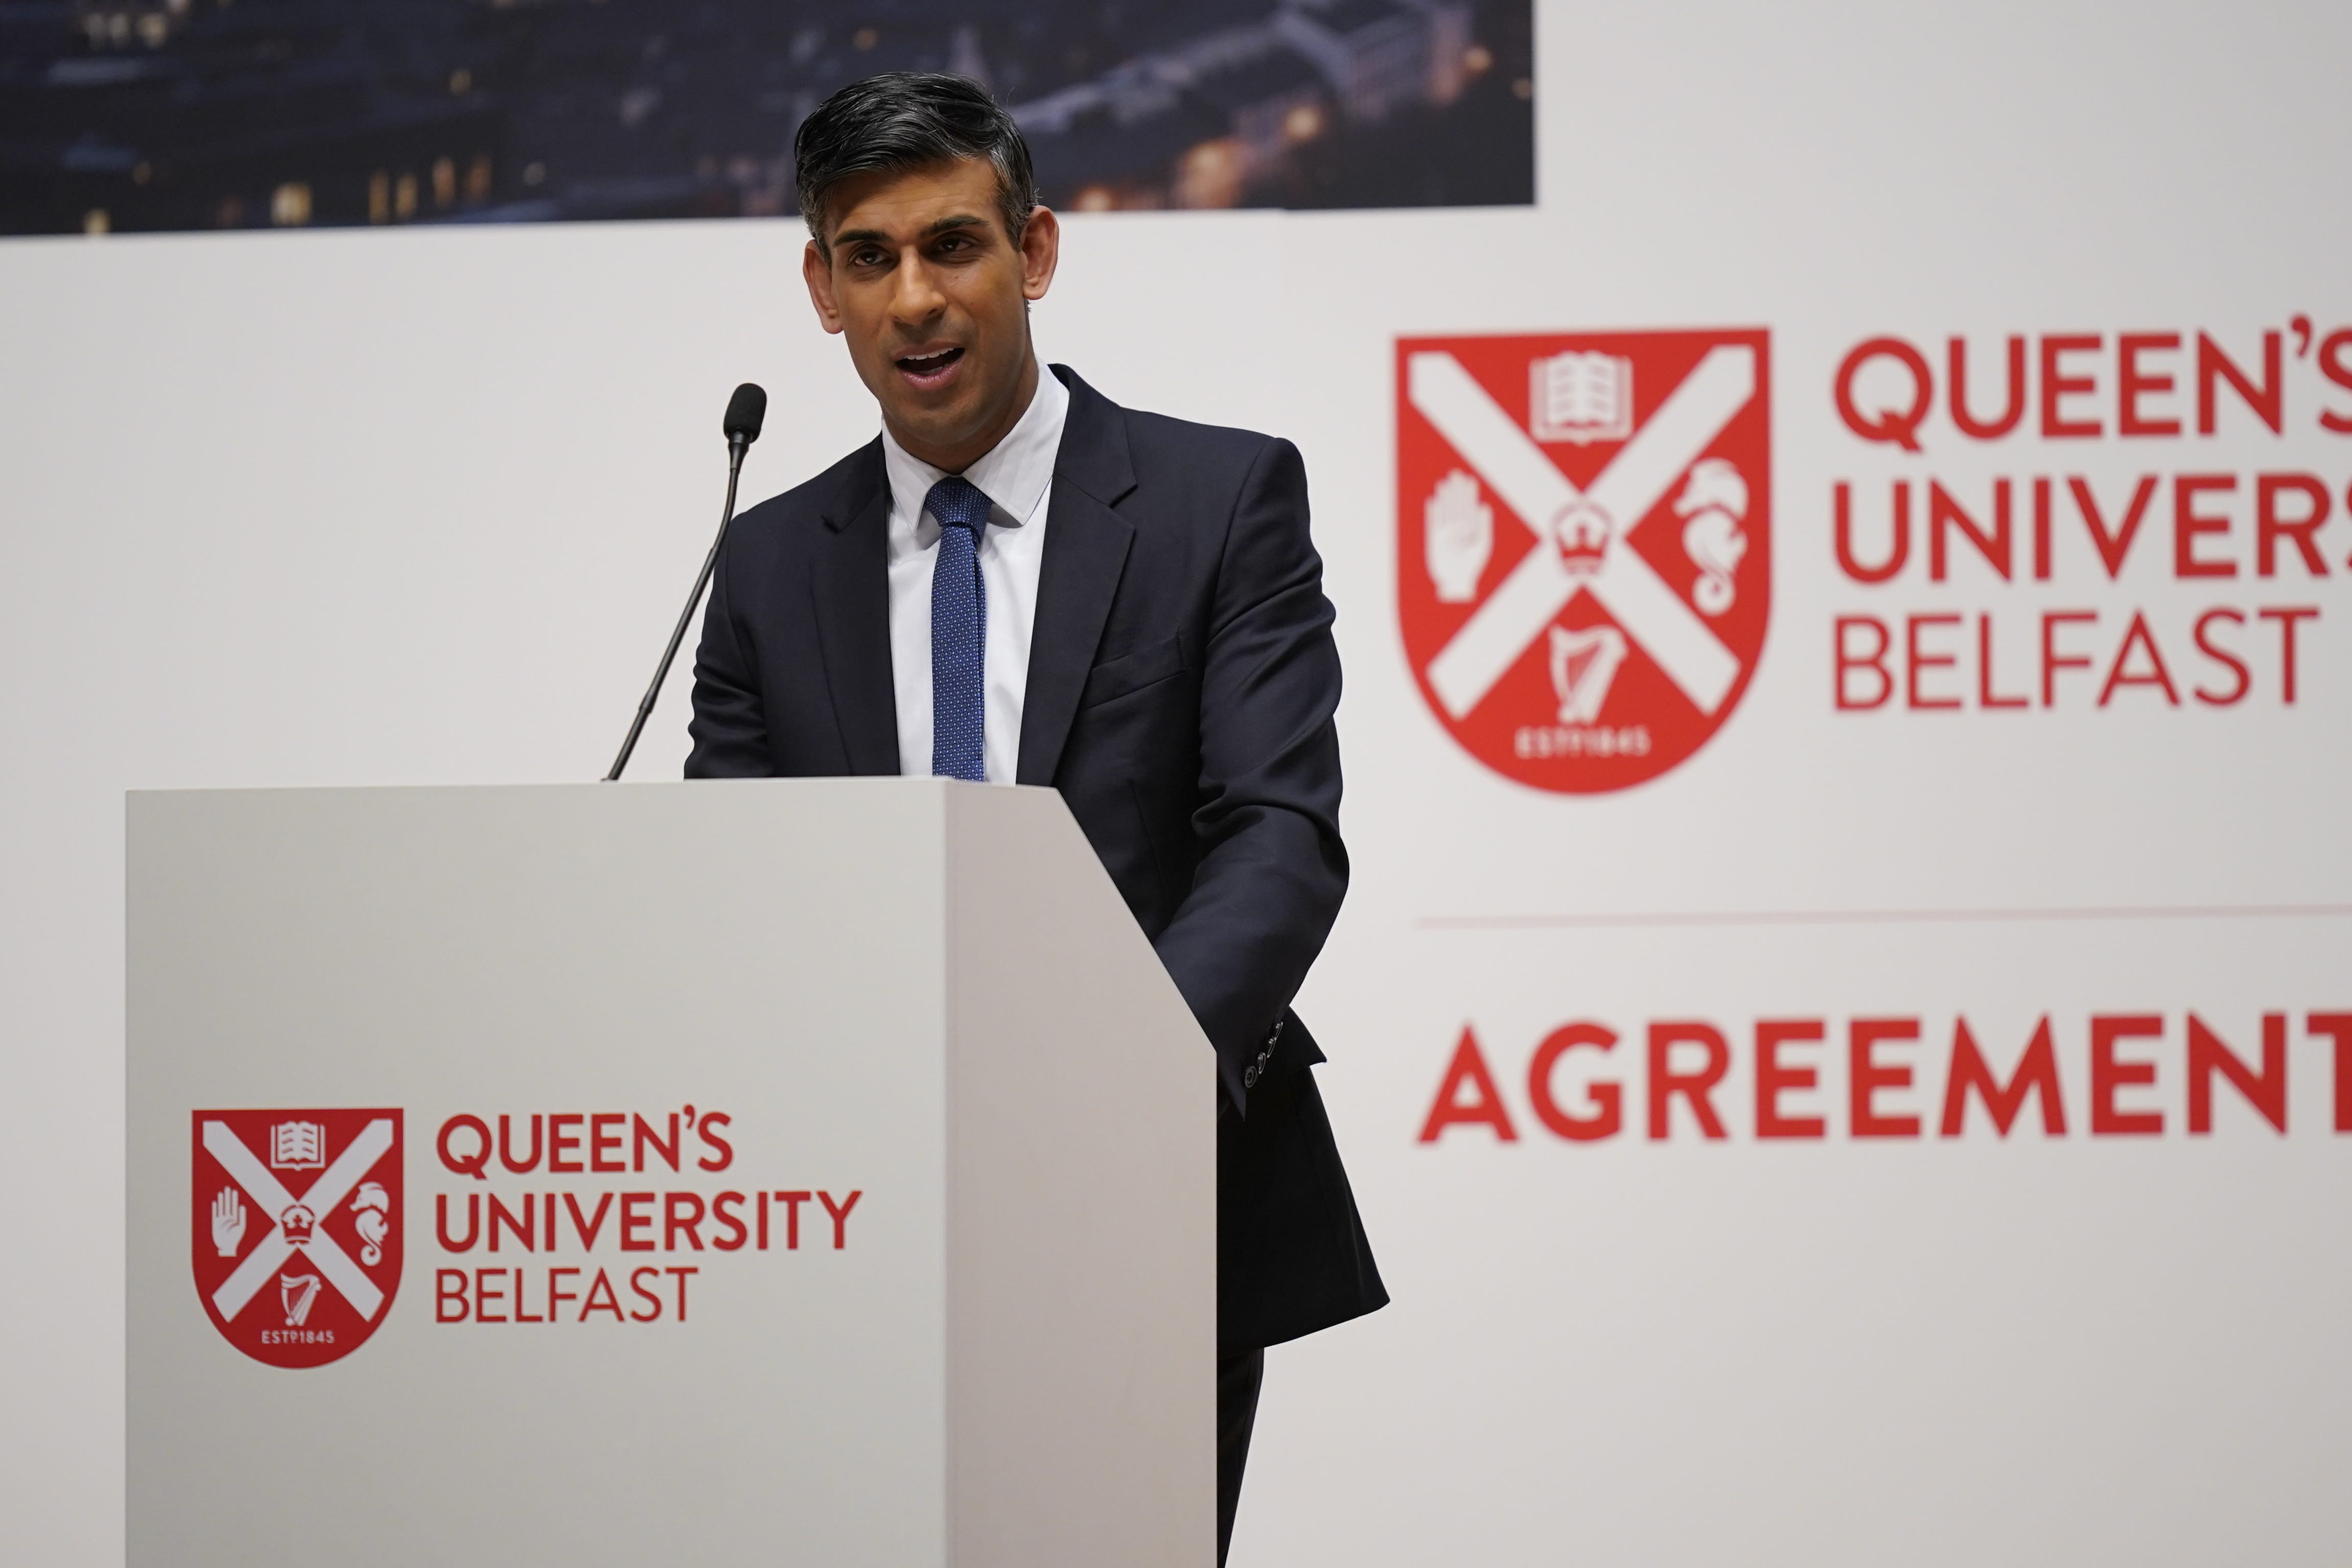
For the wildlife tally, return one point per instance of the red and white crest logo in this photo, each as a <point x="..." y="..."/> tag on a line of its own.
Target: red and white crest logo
<point x="1584" y="536"/>
<point x="298" y="1222"/>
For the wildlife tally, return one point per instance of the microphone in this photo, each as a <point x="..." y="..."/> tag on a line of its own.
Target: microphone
<point x="745" y="413"/>
<point x="745" y="410"/>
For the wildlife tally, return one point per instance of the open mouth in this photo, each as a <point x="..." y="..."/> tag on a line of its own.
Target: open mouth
<point x="929" y="370"/>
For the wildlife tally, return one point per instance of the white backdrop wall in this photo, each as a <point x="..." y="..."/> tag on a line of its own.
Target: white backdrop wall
<point x="417" y="507"/>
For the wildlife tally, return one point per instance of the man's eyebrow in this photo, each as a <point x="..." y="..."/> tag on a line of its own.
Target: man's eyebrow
<point x="944" y="226"/>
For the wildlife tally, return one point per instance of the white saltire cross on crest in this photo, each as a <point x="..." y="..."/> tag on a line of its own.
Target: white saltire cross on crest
<point x="334" y="1184"/>
<point x="1532" y="485"/>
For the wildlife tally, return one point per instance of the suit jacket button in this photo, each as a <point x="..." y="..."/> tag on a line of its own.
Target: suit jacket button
<point x="1249" y="1078"/>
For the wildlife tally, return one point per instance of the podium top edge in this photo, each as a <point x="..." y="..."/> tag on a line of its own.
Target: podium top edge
<point x="829" y="782"/>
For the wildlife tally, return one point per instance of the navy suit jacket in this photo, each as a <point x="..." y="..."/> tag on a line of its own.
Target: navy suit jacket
<point x="1182" y="680"/>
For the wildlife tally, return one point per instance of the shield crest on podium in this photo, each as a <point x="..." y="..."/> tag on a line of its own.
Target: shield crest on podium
<point x="297" y="1219"/>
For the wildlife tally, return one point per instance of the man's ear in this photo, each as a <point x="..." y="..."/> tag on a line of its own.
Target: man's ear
<point x="817" y="271"/>
<point x="1040" y="252"/>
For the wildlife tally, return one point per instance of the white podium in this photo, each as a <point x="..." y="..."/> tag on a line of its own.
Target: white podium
<point x="809" y="1172"/>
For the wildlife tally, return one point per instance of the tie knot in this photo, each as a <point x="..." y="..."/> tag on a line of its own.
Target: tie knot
<point x="958" y="504"/>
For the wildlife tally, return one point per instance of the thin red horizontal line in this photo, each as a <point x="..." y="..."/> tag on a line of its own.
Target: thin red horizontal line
<point x="1885" y="917"/>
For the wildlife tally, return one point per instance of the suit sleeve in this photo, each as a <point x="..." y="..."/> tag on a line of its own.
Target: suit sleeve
<point x="729" y="725"/>
<point x="1272" y="869"/>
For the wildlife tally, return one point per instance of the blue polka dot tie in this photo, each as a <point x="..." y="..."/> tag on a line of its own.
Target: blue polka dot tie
<point x="959" y="627"/>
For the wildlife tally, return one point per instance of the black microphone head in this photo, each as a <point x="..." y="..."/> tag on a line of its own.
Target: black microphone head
<point x="745" y="410"/>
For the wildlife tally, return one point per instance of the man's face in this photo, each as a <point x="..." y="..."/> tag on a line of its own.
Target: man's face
<point x="932" y="295"/>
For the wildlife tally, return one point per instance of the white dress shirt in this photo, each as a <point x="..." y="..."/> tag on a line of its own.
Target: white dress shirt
<point x="1017" y="477"/>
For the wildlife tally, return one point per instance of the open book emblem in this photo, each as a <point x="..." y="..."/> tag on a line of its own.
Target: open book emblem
<point x="1581" y="397"/>
<point x="298" y="1146"/>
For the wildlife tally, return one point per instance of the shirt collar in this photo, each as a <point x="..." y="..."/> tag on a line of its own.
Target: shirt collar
<point x="1014" y="474"/>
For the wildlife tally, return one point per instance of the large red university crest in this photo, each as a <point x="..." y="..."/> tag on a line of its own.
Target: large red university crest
<point x="298" y="1221"/>
<point x="1584" y="543"/>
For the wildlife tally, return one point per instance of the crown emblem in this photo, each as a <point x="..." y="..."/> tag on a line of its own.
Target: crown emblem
<point x="1582" y="530"/>
<point x="298" y="1223"/>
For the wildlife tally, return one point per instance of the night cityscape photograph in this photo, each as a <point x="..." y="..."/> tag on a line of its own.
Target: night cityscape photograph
<point x="122" y="116"/>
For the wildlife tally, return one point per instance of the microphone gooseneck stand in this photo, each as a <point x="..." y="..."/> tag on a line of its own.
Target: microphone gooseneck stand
<point x="744" y="414"/>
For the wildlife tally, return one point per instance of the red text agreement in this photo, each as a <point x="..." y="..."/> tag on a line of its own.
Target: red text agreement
<point x="1895" y="1078"/>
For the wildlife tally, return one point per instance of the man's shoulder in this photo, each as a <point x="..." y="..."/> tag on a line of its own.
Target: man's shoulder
<point x="1164" y="435"/>
<point x="834" y="496"/>
<point x="1160" y="444"/>
<point x="1205" y="470"/>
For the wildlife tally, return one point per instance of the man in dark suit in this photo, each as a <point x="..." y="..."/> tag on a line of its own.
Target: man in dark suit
<point x="1022" y="581"/>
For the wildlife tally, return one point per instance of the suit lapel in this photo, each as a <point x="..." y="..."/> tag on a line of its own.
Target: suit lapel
<point x="853" y="620"/>
<point x="1086" y="553"/>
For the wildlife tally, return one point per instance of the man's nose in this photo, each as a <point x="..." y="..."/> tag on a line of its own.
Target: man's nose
<point x="917" y="299"/>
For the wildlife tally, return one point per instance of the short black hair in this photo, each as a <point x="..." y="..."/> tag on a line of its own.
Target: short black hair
<point x="911" y="119"/>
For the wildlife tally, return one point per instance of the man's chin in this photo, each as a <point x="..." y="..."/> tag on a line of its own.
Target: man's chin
<point x="931" y="428"/>
<point x="948" y="421"/>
